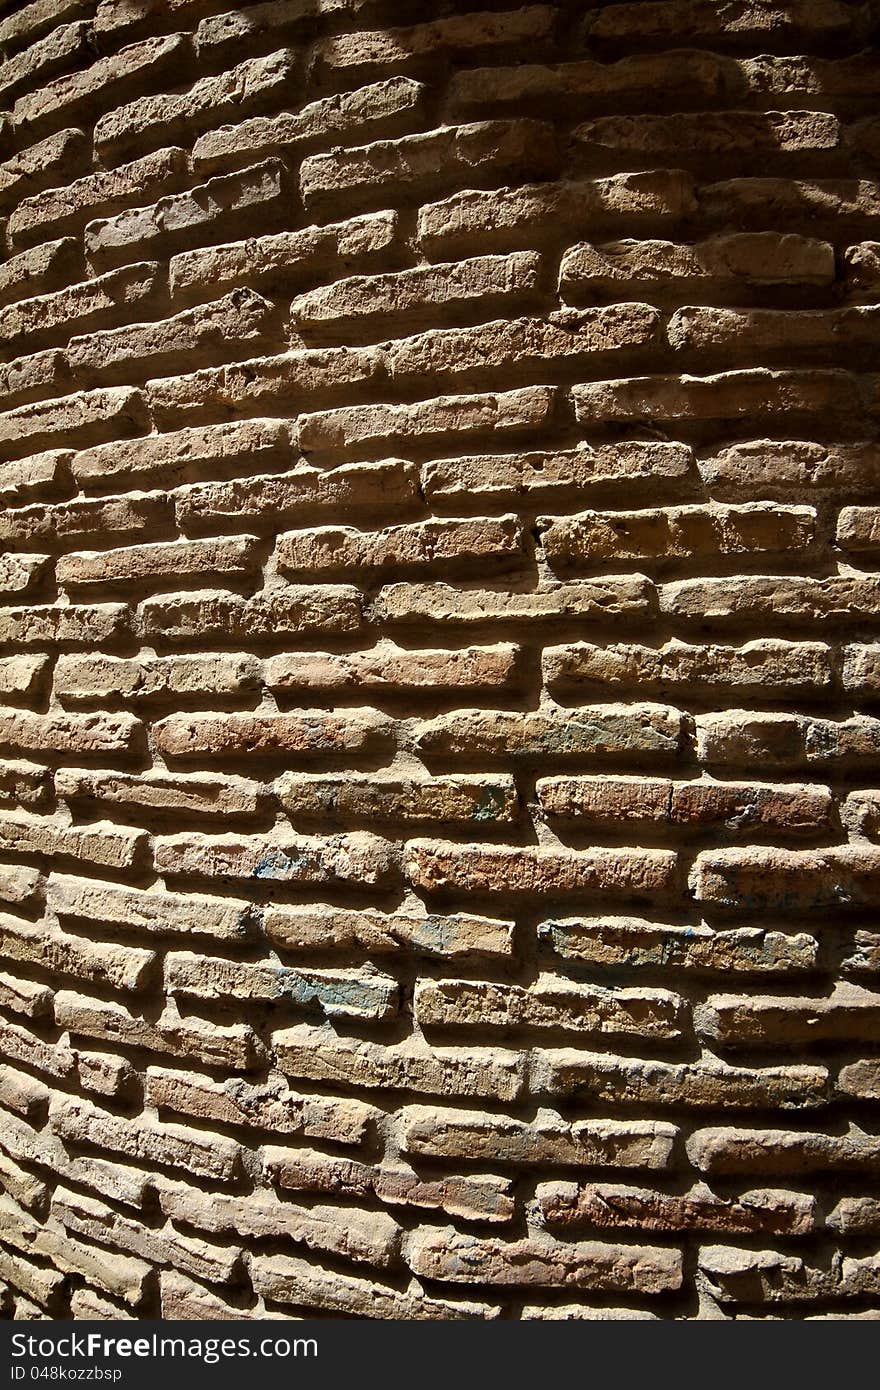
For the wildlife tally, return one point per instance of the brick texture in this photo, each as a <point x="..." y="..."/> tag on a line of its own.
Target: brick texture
<point x="439" y="660"/>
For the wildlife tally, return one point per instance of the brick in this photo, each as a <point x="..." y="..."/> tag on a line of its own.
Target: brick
<point x="226" y="203"/>
<point x="37" y="476"/>
<point x="612" y="942"/>
<point x="443" y="545"/>
<point x="108" y="79"/>
<point x="858" y="529"/>
<point x="422" y="163"/>
<point x="367" y="429"/>
<point x="228" y="555"/>
<point x="111" y="516"/>
<point x="861" y="668"/>
<point x="250" y="86"/>
<point x="20" y="884"/>
<point x="65" y="46"/>
<point x="108" y="1179"/>
<point x="241" y="318"/>
<point x="414" y="297"/>
<point x="459" y="34"/>
<point x="617" y="873"/>
<point x="765" y="664"/>
<point x="234" y="1046"/>
<point x="472" y="1135"/>
<point x="549" y="1004"/>
<point x="283" y="259"/>
<point x="279" y="858"/>
<point x="199" y="794"/>
<point x="83" y="679"/>
<point x="768" y="1277"/>
<point x="24" y="784"/>
<point x="22" y="675"/>
<point x="389" y="667"/>
<point x="849" y="1014"/>
<point x="861" y="268"/>
<point x="762" y="202"/>
<point x="370" y="798"/>
<point x="503" y="218"/>
<point x="677" y="533"/>
<point x="99" y="843"/>
<point x="451" y="935"/>
<point x="724" y="265"/>
<point x="226" y="616"/>
<point x="695" y="21"/>
<point x="315" y="733"/>
<point x="28" y="1098"/>
<point x="787" y="881"/>
<point x="71" y="625"/>
<point x="584" y="470"/>
<point x="304" y="492"/>
<point x="735" y="1152"/>
<point x="625" y="596"/>
<point x="539" y="1261"/>
<point x="22" y="1046"/>
<point x="37" y="374"/>
<point x="64" y="209"/>
<point x="597" y="731"/>
<point x="285" y="1279"/>
<point x="37" y="167"/>
<point x="25" y="997"/>
<point x="181" y="456"/>
<point x="567" y="1206"/>
<point x="69" y="733"/>
<point x="103" y="1074"/>
<point x="693" y="1085"/>
<point x="118" y="1274"/>
<point x="757" y="394"/>
<point x="60" y="953"/>
<point x="772" y="468"/>
<point x="143" y="1139"/>
<point x="841" y="597"/>
<point x="87" y="417"/>
<point x="308" y="1053"/>
<point x="707" y="139"/>
<point x="736" y="808"/>
<point x="365" y="1237"/>
<point x="364" y="993"/>
<point x="165" y="914"/>
<point x="271" y="1106"/>
<point x="860" y="1079"/>
<point x="382" y="108"/>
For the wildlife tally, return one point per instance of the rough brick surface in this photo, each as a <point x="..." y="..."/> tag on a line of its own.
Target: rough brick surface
<point x="439" y="659"/>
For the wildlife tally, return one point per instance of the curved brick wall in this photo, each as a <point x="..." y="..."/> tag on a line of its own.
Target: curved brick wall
<point x="440" y="660"/>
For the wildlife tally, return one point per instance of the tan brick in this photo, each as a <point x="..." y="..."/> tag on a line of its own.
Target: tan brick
<point x="233" y="1046"/>
<point x="353" y="797"/>
<point x="303" y="492"/>
<point x="362" y="993"/>
<point x="83" y="679"/>
<point x="788" y="881"/>
<point x="598" y="731"/>
<point x="114" y="516"/>
<point x="183" y="455"/>
<point x="69" y="733"/>
<point x="22" y="675"/>
<point x="70" y="625"/>
<point x="372" y="428"/>
<point x="735" y="1152"/>
<point x="388" y="107"/>
<point x="550" y="1004"/>
<point x="40" y="165"/>
<point x="303" y="732"/>
<point x="849" y="1014"/>
<point x="768" y="1277"/>
<point x="196" y="794"/>
<point x="99" y="843"/>
<point x="158" y="912"/>
<point x="705" y="138"/>
<point x="472" y="1135"/>
<point x="758" y="395"/>
<point x="281" y="858"/>
<point x="423" y="163"/>
<point x="594" y="538"/>
<point x="37" y="476"/>
<point x="573" y="472"/>
<point x="227" y="555"/>
<point x="442" y="545"/>
<point x="433" y="934"/>
<point x="612" y="942"/>
<point x="765" y="664"/>
<point x="788" y="469"/>
<point x="60" y="953"/>
<point x="85" y="418"/>
<point x="722" y="264"/>
<point x="226" y="616"/>
<point x="389" y="667"/>
<point x="286" y="1279"/>
<point x="282" y="259"/>
<point x="618" y="873"/>
<point x="567" y="1206"/>
<point x="693" y="1085"/>
<point x="250" y="86"/>
<point x="144" y="1139"/>
<point x="616" y="597"/>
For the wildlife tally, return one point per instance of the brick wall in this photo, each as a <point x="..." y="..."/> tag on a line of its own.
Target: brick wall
<point x="440" y="665"/>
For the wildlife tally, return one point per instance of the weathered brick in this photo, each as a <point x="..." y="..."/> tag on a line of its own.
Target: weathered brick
<point x="695" y="1085"/>
<point x="303" y="492"/>
<point x="282" y="259"/>
<point x="696" y="21"/>
<point x="372" y="428"/>
<point x="392" y="668"/>
<point x="735" y="1152"/>
<point x="705" y="139"/>
<point x="788" y="881"/>
<point x="768" y="1277"/>
<point x="165" y="914"/>
<point x="424" y="163"/>
<point x="22" y="675"/>
<point x="444" y="545"/>
<point x="754" y="395"/>
<point x="224" y="615"/>
<point x="721" y="265"/>
<point x="84" y="418"/>
<point x="618" y="873"/>
<point x="849" y="1014"/>
<point x="502" y="218"/>
<point x="120" y="967"/>
<point x="198" y="794"/>
<point x="567" y="1206"/>
<point x="462" y="1134"/>
<point x="250" y="86"/>
<point x="766" y="664"/>
<point x="100" y="843"/>
<point x="737" y="808"/>
<point x="388" y="107"/>
<point x="227" y="555"/>
<point x="69" y="733"/>
<point x="70" y="625"/>
<point x="37" y="476"/>
<point x="550" y="1004"/>
<point x="93" y="518"/>
<point x="599" y="731"/>
<point x="229" y="202"/>
<point x="40" y="165"/>
<point x="593" y="538"/>
<point x="787" y="469"/>
<point x="84" y="679"/>
<point x="144" y="1139"/>
<point x="618" y="597"/>
<point x="303" y="732"/>
<point x="364" y="993"/>
<point x="279" y="858"/>
<point x="233" y="1046"/>
<point x="340" y="799"/>
<point x="574" y="472"/>
<point x="612" y="942"/>
<point x="539" y="1261"/>
<point x="433" y="934"/>
<point x="66" y="208"/>
<point x="801" y="600"/>
<point x="319" y="1054"/>
<point x="185" y="454"/>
